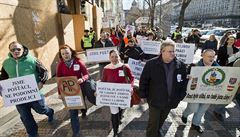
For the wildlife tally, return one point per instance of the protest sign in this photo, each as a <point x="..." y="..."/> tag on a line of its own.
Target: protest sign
<point x="129" y="28"/>
<point x="136" y="67"/>
<point x="19" y="90"/>
<point x="70" y="92"/>
<point x="113" y="94"/>
<point x="140" y="38"/>
<point x="151" y="47"/>
<point x="185" y="52"/>
<point x="99" y="54"/>
<point x="212" y="85"/>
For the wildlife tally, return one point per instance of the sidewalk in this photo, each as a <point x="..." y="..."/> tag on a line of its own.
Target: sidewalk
<point x="133" y="124"/>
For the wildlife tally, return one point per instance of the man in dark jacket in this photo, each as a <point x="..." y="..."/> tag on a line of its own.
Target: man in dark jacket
<point x="20" y="63"/>
<point x="102" y="43"/>
<point x="163" y="83"/>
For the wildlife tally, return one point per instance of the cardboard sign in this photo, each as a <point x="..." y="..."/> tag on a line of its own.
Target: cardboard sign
<point x="99" y="54"/>
<point x="136" y="67"/>
<point x="19" y="90"/>
<point x="185" y="52"/>
<point x="113" y="94"/>
<point x="212" y="85"/>
<point x="151" y="47"/>
<point x="70" y="92"/>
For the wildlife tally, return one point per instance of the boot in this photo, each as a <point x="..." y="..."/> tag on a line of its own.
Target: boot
<point x="115" y="123"/>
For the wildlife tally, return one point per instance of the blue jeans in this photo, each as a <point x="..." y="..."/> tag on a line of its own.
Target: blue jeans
<point x="198" y="109"/>
<point x="75" y="122"/>
<point x="27" y="118"/>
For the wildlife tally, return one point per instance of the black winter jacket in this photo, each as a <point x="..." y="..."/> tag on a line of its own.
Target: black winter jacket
<point x="153" y="84"/>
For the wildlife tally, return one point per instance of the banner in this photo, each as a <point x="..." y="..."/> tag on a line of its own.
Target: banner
<point x="99" y="54"/>
<point x="151" y="47"/>
<point x="113" y="94"/>
<point x="129" y="28"/>
<point x="212" y="85"/>
<point x="70" y="92"/>
<point x="185" y="52"/>
<point x="19" y="90"/>
<point x="136" y="67"/>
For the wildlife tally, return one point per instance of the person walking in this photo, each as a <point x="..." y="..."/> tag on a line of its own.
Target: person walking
<point x="71" y="65"/>
<point x="21" y="63"/>
<point x="163" y="83"/>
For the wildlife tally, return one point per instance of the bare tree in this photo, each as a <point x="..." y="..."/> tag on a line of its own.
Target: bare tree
<point x="152" y="6"/>
<point x="185" y="4"/>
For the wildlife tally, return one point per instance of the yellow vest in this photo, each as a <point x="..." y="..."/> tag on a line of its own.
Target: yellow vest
<point x="175" y="34"/>
<point x="87" y="42"/>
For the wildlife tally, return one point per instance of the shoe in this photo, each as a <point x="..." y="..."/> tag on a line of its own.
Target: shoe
<point x="199" y="129"/>
<point x="84" y="116"/>
<point x="184" y="119"/>
<point x="50" y="117"/>
<point x="218" y="116"/>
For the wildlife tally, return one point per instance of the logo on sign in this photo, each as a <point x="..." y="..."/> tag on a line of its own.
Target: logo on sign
<point x="213" y="77"/>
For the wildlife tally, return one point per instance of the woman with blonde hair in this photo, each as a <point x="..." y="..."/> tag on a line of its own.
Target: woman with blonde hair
<point x="211" y="43"/>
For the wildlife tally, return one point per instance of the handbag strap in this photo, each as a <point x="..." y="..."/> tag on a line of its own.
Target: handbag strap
<point x="125" y="74"/>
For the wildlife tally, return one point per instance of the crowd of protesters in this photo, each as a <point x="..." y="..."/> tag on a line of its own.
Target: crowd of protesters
<point x="163" y="82"/>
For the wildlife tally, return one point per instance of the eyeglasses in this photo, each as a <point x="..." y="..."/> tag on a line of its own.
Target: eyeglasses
<point x="15" y="49"/>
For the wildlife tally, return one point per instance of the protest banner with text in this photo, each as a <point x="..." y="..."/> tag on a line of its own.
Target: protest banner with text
<point x="99" y="54"/>
<point x="185" y="52"/>
<point x="113" y="94"/>
<point x="212" y="85"/>
<point x="151" y="47"/>
<point x="20" y="90"/>
<point x="136" y="67"/>
<point x="70" y="92"/>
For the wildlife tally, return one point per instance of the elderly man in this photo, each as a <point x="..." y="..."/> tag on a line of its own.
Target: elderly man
<point x="199" y="109"/>
<point x="163" y="83"/>
<point x="20" y="63"/>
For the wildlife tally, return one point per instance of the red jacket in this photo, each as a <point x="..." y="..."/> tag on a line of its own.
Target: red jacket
<point x="77" y="69"/>
<point x="115" y="40"/>
<point x="237" y="43"/>
<point x="116" y="75"/>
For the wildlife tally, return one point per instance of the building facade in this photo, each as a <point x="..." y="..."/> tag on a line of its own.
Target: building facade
<point x="215" y="12"/>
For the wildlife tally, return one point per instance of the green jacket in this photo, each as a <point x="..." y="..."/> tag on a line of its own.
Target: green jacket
<point x="26" y="65"/>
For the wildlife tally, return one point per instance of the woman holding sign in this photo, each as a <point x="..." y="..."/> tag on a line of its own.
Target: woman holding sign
<point x="71" y="65"/>
<point x="115" y="73"/>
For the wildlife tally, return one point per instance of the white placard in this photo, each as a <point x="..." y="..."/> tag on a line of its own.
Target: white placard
<point x="113" y="94"/>
<point x="212" y="85"/>
<point x="185" y="52"/>
<point x="151" y="47"/>
<point x="19" y="90"/>
<point x="99" y="54"/>
<point x="129" y="28"/>
<point x="140" y="38"/>
<point x="136" y="67"/>
<point x="73" y="101"/>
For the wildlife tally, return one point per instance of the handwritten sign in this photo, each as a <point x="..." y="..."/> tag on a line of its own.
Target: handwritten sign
<point x="113" y="94"/>
<point x="99" y="54"/>
<point x="70" y="92"/>
<point x="151" y="47"/>
<point x="136" y="67"/>
<point x="19" y="90"/>
<point x="212" y="85"/>
<point x="185" y="52"/>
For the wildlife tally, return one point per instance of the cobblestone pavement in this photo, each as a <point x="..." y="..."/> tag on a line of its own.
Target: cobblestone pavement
<point x="133" y="125"/>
